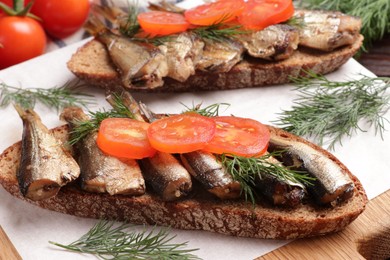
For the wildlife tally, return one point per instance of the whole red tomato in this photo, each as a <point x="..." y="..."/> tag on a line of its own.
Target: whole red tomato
<point x="21" y="38"/>
<point x="61" y="18"/>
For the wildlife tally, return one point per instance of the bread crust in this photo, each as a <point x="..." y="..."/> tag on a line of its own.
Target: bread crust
<point x="92" y="63"/>
<point x="199" y="211"/>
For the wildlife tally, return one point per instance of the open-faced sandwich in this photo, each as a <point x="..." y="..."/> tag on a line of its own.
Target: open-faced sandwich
<point x="225" y="44"/>
<point x="193" y="170"/>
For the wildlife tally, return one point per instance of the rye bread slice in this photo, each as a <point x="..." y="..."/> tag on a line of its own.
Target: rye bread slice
<point x="200" y="210"/>
<point x="92" y="63"/>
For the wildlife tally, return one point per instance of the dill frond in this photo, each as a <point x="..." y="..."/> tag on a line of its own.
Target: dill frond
<point x="330" y="109"/>
<point x="219" y="32"/>
<point x="210" y="111"/>
<point x="245" y="170"/>
<point x="69" y="94"/>
<point x="83" y="128"/>
<point x="109" y="241"/>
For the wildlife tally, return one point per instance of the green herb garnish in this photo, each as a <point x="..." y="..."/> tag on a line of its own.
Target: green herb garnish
<point x="58" y="97"/>
<point x="107" y="241"/>
<point x="330" y="109"/>
<point x="82" y="128"/>
<point x="210" y="111"/>
<point x="296" y="22"/>
<point x="130" y="26"/>
<point x="218" y="32"/>
<point x="245" y="170"/>
<point x="375" y="14"/>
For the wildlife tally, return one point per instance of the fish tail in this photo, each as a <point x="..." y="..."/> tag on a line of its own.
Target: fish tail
<point x="26" y="114"/>
<point x="95" y="26"/>
<point x="20" y="110"/>
<point x="109" y="13"/>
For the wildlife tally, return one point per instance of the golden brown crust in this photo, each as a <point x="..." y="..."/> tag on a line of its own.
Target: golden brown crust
<point x="92" y="64"/>
<point x="199" y="211"/>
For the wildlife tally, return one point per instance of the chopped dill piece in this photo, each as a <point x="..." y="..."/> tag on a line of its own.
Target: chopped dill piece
<point x="210" y="111"/>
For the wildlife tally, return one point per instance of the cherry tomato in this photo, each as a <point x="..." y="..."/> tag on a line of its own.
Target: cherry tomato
<point x="61" y="18"/>
<point x="239" y="136"/>
<point x="162" y="23"/>
<point x="216" y="12"/>
<point x="258" y="14"/>
<point x="181" y="133"/>
<point x="21" y="38"/>
<point x="124" y="137"/>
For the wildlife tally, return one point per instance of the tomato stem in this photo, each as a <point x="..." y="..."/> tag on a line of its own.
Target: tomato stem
<point x="19" y="9"/>
<point x="18" y="6"/>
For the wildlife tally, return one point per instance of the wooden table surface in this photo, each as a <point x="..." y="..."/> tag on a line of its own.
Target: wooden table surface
<point x="344" y="244"/>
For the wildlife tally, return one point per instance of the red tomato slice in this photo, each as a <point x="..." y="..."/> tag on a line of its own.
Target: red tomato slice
<point x="124" y="137"/>
<point x="162" y="23"/>
<point x="258" y="14"/>
<point x="181" y="133"/>
<point x="216" y="12"/>
<point x="239" y="136"/>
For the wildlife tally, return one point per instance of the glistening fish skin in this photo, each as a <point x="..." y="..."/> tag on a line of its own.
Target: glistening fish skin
<point x="211" y="174"/>
<point x="276" y="42"/>
<point x="100" y="172"/>
<point x="146" y="67"/>
<point x="168" y="178"/>
<point x="141" y="65"/>
<point x="220" y="56"/>
<point x="279" y="192"/>
<point x="182" y="53"/>
<point x="326" y="30"/>
<point x="332" y="183"/>
<point x="45" y="165"/>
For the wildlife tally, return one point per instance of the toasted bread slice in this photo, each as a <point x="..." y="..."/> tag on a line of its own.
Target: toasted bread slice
<point x="199" y="210"/>
<point x="92" y="63"/>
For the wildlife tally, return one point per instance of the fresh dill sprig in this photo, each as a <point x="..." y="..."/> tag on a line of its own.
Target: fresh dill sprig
<point x="296" y="22"/>
<point x="330" y="109"/>
<point x="57" y="97"/>
<point x="83" y="128"/>
<point x="219" y="32"/>
<point x="155" y="40"/>
<point x="375" y="14"/>
<point x="210" y="111"/>
<point x="130" y="26"/>
<point x="245" y="170"/>
<point x="107" y="241"/>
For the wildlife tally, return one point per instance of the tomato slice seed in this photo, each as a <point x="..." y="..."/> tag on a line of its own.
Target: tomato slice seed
<point x="215" y="12"/>
<point x="239" y="136"/>
<point x="181" y="133"/>
<point x="162" y="23"/>
<point x="124" y="137"/>
<point x="259" y="14"/>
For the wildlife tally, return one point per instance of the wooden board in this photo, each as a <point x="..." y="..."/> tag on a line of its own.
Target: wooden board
<point x="7" y="249"/>
<point x="372" y="223"/>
